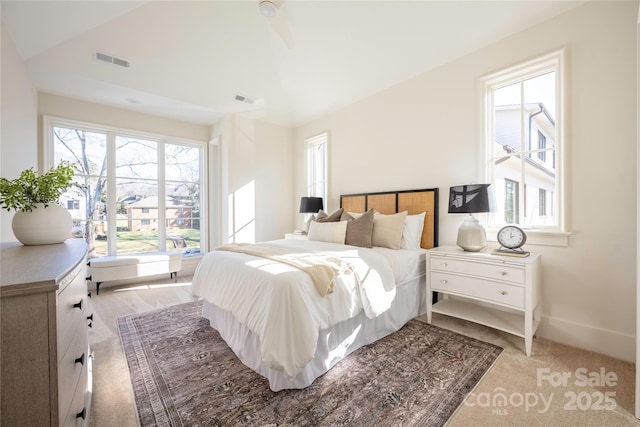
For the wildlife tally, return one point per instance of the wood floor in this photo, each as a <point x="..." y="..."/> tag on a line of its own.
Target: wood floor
<point x="556" y="386"/>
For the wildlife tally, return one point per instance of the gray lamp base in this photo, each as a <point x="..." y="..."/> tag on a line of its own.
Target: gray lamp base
<point x="471" y="235"/>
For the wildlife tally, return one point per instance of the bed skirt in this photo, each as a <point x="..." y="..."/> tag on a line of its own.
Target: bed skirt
<point x="333" y="343"/>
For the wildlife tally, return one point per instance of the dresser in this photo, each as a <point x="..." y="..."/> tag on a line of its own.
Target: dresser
<point x="45" y="358"/>
<point x="502" y="292"/>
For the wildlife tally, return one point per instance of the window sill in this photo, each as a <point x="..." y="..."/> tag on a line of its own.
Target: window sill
<point x="538" y="237"/>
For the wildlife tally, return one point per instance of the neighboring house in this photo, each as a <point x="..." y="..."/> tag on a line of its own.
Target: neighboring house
<point x="144" y="214"/>
<point x="537" y="130"/>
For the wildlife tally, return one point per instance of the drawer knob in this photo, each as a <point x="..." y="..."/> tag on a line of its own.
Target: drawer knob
<point x="444" y="264"/>
<point x="444" y="281"/>
<point x="82" y="414"/>
<point x="503" y="273"/>
<point x="78" y="305"/>
<point x="80" y="360"/>
<point x="503" y="292"/>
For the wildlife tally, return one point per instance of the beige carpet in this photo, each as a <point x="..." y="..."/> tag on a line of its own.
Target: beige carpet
<point x="510" y="394"/>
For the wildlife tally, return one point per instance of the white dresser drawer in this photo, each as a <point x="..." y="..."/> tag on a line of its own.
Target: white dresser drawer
<point x="71" y="316"/>
<point x="72" y="365"/>
<point x="73" y="415"/>
<point x="486" y="270"/>
<point x="500" y="293"/>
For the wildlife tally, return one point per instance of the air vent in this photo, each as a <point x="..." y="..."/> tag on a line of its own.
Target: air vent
<point x="105" y="57"/>
<point x="244" y="99"/>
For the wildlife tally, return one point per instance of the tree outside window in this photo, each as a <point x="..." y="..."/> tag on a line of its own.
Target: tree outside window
<point x="150" y="182"/>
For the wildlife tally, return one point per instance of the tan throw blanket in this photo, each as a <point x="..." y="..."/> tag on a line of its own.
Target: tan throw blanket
<point x="321" y="267"/>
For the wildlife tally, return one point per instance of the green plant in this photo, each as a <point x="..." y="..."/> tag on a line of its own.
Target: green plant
<point x="28" y="189"/>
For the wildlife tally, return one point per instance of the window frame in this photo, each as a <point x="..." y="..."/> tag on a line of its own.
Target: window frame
<point x="111" y="132"/>
<point x="558" y="234"/>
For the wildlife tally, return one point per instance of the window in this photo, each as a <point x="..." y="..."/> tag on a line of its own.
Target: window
<point x="542" y="145"/>
<point x="317" y="161"/>
<point x="542" y="203"/>
<point x="73" y="204"/>
<point x="138" y="189"/>
<point x="524" y="144"/>
<point x="511" y="205"/>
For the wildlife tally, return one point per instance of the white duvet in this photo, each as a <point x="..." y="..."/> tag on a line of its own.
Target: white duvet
<point x="280" y="303"/>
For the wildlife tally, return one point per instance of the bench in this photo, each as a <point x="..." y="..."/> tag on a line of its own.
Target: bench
<point x="103" y="269"/>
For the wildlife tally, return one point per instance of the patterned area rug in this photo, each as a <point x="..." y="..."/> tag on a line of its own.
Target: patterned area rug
<point x="184" y="374"/>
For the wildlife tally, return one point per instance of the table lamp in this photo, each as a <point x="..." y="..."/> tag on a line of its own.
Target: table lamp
<point x="310" y="205"/>
<point x="471" y="199"/>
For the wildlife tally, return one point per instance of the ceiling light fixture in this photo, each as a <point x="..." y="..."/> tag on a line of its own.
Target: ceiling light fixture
<point x="268" y="8"/>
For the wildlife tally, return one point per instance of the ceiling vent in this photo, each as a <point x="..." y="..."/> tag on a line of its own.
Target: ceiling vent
<point x="105" y="57"/>
<point x="244" y="99"/>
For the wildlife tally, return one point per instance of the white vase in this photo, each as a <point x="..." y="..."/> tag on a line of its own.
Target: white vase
<point x="42" y="226"/>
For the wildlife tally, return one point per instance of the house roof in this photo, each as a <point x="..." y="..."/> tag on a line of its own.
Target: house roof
<point x="191" y="60"/>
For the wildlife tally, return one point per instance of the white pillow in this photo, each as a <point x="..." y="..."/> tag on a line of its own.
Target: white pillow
<point x="333" y="232"/>
<point x="387" y="230"/>
<point x="412" y="232"/>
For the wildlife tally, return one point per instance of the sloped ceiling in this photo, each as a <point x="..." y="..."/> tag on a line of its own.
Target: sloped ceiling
<point x="189" y="60"/>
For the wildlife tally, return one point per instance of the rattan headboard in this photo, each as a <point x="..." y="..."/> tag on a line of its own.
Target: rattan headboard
<point x="390" y="202"/>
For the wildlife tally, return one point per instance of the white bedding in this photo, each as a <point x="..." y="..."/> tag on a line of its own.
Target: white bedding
<point x="282" y="307"/>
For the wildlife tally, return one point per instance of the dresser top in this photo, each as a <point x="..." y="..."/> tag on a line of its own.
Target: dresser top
<point x="37" y="268"/>
<point x="484" y="254"/>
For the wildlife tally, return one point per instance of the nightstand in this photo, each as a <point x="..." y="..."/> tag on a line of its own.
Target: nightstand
<point x="502" y="292"/>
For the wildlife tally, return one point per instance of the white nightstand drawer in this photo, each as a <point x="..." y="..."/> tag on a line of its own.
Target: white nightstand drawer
<point x="486" y="270"/>
<point x="500" y="293"/>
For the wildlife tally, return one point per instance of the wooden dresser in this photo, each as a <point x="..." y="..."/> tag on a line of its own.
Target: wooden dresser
<point x="44" y="347"/>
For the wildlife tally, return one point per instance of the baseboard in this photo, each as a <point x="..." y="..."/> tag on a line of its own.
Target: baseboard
<point x="610" y="343"/>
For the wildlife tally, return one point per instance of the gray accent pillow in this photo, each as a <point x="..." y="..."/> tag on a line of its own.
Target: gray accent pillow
<point x="359" y="230"/>
<point x="334" y="217"/>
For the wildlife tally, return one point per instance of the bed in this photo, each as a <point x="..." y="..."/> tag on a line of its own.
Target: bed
<point x="281" y="319"/>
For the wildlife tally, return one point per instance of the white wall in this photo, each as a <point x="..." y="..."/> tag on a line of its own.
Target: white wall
<point x="73" y="109"/>
<point x="19" y="131"/>
<point x="424" y="133"/>
<point x="257" y="162"/>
